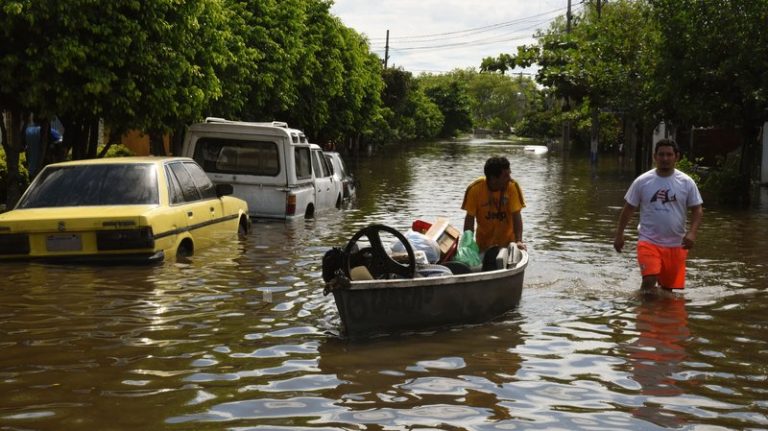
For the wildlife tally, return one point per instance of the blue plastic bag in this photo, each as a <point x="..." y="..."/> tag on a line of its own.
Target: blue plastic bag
<point x="418" y="242"/>
<point x="468" y="252"/>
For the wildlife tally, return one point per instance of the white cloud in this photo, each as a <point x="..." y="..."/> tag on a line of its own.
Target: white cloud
<point x="442" y="35"/>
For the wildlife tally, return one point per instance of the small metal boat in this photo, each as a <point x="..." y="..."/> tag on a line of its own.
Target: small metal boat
<point x="392" y="297"/>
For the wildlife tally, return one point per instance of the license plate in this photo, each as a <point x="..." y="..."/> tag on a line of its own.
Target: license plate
<point x="65" y="242"/>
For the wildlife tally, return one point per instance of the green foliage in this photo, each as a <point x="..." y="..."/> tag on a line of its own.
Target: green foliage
<point x="499" y="102"/>
<point x="539" y="124"/>
<point x="723" y="182"/>
<point x="606" y="60"/>
<point x="409" y="113"/>
<point x="138" y="65"/>
<point x="358" y="104"/>
<point x="118" y="150"/>
<point x="450" y="95"/>
<point x="428" y="120"/>
<point x="23" y="174"/>
<point x="689" y="167"/>
<point x="712" y="60"/>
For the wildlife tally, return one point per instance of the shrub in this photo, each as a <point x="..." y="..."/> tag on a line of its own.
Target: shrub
<point x="118" y="150"/>
<point x="723" y="182"/>
<point x="23" y="175"/>
<point x="690" y="167"/>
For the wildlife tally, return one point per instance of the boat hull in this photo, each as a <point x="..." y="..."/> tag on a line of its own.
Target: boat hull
<point x="391" y="306"/>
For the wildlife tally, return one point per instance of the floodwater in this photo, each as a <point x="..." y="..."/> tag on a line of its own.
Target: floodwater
<point x="242" y="337"/>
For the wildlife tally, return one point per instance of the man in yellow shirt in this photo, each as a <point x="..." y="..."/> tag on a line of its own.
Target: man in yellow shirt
<point x="495" y="201"/>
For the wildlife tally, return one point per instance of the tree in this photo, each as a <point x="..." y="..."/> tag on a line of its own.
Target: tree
<point x="410" y="113"/>
<point x="136" y="65"/>
<point x="713" y="58"/>
<point x="499" y="101"/>
<point x="450" y="95"/>
<point x="320" y="71"/>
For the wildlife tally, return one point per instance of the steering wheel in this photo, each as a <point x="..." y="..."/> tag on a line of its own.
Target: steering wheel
<point x="378" y="262"/>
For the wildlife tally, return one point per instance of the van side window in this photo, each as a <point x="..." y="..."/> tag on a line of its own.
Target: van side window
<point x="327" y="163"/>
<point x="318" y="165"/>
<point x="235" y="156"/>
<point x="301" y="158"/>
<point x="331" y="168"/>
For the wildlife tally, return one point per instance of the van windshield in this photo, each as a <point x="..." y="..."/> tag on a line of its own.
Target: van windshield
<point x="234" y="156"/>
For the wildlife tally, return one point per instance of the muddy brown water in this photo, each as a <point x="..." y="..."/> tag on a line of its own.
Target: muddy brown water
<point x="241" y="337"/>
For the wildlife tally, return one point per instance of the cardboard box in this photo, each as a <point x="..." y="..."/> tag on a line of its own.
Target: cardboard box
<point x="446" y="236"/>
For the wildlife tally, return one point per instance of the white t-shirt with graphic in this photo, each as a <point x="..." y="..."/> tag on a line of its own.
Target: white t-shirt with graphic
<point x="663" y="204"/>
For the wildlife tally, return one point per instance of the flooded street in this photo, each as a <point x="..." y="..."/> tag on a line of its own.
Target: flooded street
<point x="242" y="337"/>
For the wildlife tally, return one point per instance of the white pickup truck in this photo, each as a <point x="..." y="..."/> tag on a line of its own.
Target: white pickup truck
<point x="271" y="166"/>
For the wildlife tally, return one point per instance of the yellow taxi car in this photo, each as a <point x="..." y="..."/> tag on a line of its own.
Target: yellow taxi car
<point x="120" y="209"/>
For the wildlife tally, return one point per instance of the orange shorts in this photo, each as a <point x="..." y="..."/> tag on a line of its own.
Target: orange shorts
<point x="667" y="263"/>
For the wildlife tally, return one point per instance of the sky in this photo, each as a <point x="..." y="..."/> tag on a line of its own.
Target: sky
<point x="437" y="36"/>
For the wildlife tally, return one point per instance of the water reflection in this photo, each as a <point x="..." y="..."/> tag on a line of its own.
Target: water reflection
<point x="656" y="354"/>
<point x="241" y="336"/>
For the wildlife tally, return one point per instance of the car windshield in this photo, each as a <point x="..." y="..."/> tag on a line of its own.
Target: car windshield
<point x="103" y="184"/>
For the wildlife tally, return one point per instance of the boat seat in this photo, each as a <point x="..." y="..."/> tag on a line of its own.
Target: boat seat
<point x="515" y="255"/>
<point x="457" y="267"/>
<point x="502" y="258"/>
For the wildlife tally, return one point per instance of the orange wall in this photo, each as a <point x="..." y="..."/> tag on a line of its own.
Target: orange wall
<point x="138" y="142"/>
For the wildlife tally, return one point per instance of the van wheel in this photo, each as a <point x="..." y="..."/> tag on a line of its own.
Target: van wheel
<point x="310" y="212"/>
<point x="338" y="203"/>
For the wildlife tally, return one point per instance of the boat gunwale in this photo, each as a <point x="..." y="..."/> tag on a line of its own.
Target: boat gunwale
<point x="444" y="280"/>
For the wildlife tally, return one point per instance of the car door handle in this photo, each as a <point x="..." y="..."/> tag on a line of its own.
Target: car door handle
<point x="189" y="214"/>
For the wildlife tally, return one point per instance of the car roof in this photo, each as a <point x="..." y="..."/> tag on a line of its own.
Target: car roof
<point x="123" y="160"/>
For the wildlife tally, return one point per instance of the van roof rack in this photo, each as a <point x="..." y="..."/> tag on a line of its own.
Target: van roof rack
<point x="282" y="124"/>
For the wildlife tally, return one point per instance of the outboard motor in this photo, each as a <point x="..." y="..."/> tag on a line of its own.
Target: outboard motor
<point x="333" y="259"/>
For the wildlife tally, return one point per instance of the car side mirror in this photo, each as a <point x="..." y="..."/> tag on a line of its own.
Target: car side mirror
<point x="224" y="190"/>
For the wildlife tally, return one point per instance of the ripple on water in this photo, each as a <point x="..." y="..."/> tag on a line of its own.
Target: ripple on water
<point x="242" y="334"/>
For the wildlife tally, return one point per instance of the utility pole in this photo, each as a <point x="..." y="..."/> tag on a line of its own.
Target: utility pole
<point x="594" y="143"/>
<point x="567" y="123"/>
<point x="386" y="50"/>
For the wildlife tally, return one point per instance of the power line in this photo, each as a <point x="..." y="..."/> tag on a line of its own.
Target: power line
<point x="470" y="31"/>
<point x="508" y="37"/>
<point x="457" y="41"/>
<point x="445" y="43"/>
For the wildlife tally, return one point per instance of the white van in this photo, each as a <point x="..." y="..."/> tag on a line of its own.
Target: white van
<point x="348" y="182"/>
<point x="269" y="165"/>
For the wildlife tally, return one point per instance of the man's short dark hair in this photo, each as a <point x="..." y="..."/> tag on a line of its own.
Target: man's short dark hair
<point x="666" y="142"/>
<point x="495" y="166"/>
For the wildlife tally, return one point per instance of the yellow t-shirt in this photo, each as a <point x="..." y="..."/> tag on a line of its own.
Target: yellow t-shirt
<point x="493" y="212"/>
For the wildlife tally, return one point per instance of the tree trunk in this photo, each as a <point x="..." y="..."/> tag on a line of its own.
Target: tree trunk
<point x="177" y="141"/>
<point x="156" y="147"/>
<point x="75" y="138"/>
<point x="594" y="141"/>
<point x="749" y="161"/>
<point x="12" y="146"/>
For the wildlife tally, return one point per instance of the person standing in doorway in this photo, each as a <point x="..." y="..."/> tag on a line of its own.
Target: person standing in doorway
<point x="621" y="153"/>
<point x="495" y="202"/>
<point x="664" y="196"/>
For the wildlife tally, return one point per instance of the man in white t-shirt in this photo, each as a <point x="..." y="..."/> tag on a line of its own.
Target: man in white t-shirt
<point x="664" y="196"/>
